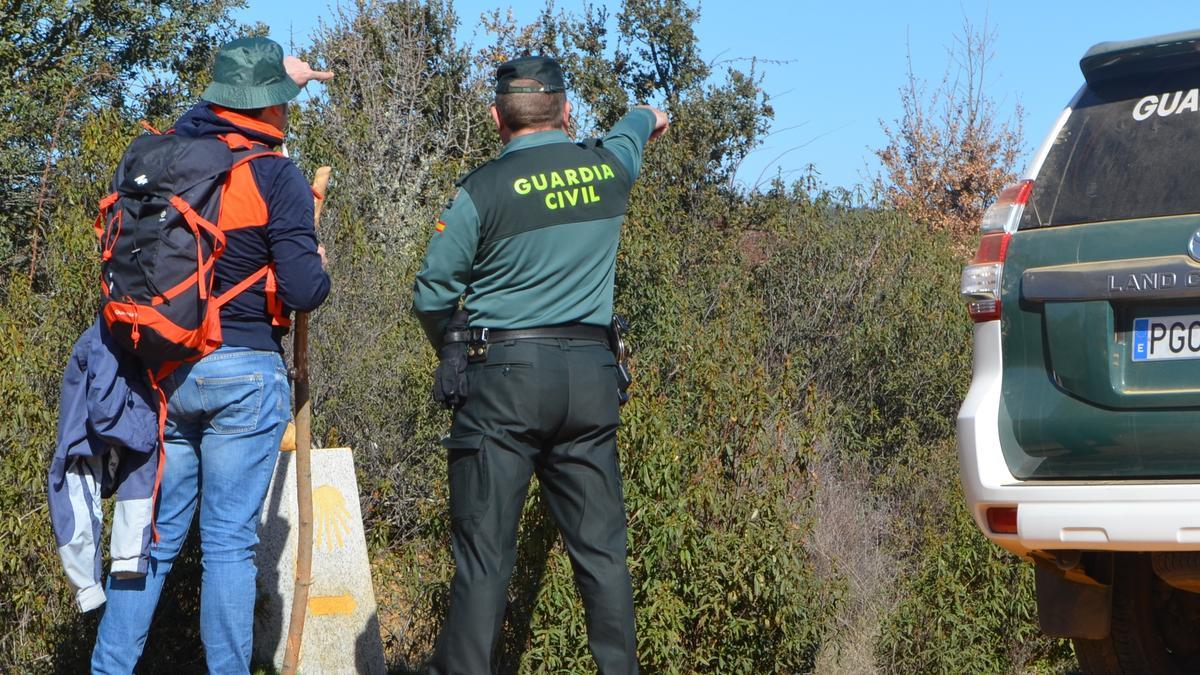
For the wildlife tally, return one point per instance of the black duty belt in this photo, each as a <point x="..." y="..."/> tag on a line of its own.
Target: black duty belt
<point x="576" y="331"/>
<point x="478" y="341"/>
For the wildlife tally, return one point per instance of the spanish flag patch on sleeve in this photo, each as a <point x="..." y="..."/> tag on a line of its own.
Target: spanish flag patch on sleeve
<point x="441" y="225"/>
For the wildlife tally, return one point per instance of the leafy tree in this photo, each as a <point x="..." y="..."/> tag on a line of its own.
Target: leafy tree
<point x="67" y="60"/>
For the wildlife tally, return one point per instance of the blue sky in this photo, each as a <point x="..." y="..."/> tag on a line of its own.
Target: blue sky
<point x="841" y="63"/>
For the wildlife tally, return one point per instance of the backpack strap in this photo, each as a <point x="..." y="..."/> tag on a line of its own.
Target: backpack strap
<point x="274" y="304"/>
<point x="247" y="158"/>
<point x="240" y="143"/>
<point x="250" y="150"/>
<point x="156" y="379"/>
<point x="182" y="286"/>
<point x="107" y="244"/>
<point x="101" y="225"/>
<point x="105" y="204"/>
<point x="197" y="223"/>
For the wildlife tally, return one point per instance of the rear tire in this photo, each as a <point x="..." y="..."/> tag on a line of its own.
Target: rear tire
<point x="1096" y="657"/>
<point x="1181" y="570"/>
<point x="1155" y="628"/>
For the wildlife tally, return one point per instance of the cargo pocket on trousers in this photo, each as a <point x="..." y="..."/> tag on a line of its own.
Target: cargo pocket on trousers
<point x="468" y="477"/>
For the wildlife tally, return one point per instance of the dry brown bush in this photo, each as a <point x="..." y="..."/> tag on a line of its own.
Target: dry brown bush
<point x="950" y="153"/>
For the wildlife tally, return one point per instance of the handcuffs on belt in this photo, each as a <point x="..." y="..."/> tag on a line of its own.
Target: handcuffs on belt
<point x="617" y="328"/>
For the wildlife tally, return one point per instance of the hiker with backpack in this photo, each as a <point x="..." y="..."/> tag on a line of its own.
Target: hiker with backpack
<point x="207" y="245"/>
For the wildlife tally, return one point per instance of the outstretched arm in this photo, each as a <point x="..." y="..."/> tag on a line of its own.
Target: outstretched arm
<point x="628" y="137"/>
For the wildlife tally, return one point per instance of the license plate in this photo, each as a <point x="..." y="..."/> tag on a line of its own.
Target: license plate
<point x="1158" y="338"/>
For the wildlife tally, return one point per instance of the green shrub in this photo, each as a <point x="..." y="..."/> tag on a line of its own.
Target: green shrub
<point x="788" y="455"/>
<point x="868" y="328"/>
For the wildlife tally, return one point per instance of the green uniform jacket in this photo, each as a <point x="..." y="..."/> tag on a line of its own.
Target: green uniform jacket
<point x="531" y="237"/>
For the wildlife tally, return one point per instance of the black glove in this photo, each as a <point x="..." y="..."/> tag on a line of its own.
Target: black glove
<point x="450" y="379"/>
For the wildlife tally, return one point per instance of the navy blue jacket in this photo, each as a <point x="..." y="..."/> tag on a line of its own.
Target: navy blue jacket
<point x="288" y="239"/>
<point x="107" y="442"/>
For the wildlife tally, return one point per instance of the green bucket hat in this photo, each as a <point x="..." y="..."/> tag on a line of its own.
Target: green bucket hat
<point x="249" y="74"/>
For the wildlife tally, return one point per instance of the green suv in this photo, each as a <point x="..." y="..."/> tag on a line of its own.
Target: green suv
<point x="1079" y="440"/>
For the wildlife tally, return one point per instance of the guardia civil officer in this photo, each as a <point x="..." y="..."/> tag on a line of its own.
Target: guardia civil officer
<point x="529" y="244"/>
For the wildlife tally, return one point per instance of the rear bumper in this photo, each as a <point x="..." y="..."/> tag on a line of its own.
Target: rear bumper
<point x="1099" y="516"/>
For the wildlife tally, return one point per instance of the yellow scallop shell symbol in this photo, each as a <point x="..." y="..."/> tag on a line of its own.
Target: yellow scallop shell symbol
<point x="331" y="519"/>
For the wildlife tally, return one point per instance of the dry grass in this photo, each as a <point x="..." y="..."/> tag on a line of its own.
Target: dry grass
<point x="849" y="545"/>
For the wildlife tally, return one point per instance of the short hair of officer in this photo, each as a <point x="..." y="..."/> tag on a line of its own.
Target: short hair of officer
<point x="531" y="110"/>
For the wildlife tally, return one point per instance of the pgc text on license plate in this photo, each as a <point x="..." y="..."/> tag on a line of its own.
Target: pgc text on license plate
<point x="1166" y="337"/>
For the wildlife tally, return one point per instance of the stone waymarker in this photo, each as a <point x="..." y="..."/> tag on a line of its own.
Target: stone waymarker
<point x="341" y="633"/>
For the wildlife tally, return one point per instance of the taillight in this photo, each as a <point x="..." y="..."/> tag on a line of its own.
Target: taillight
<point x="981" y="279"/>
<point x="980" y="285"/>
<point x="1004" y="215"/>
<point x="1002" y="519"/>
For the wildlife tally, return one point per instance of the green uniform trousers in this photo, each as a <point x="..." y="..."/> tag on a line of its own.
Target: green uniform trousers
<point x="547" y="407"/>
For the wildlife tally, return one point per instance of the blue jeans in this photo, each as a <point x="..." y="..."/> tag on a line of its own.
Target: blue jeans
<point x="226" y="415"/>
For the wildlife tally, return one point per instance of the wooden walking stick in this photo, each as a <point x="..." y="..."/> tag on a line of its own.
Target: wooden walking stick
<point x="303" y="413"/>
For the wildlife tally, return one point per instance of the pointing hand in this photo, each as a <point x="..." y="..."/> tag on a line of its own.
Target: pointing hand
<point x="302" y="73"/>
<point x="661" y="123"/>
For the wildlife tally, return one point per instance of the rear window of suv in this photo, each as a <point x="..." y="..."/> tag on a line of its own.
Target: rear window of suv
<point x="1128" y="150"/>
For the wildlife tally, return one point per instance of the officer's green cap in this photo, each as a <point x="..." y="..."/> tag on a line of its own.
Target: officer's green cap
<point x="543" y="69"/>
<point x="248" y="74"/>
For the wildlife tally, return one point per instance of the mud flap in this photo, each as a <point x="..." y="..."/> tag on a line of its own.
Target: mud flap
<point x="1071" y="604"/>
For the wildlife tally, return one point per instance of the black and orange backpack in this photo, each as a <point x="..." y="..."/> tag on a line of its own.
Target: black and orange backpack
<point x="161" y="231"/>
<point x="160" y="235"/>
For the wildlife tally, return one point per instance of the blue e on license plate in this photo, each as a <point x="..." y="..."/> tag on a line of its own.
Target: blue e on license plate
<point x="1159" y="338"/>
